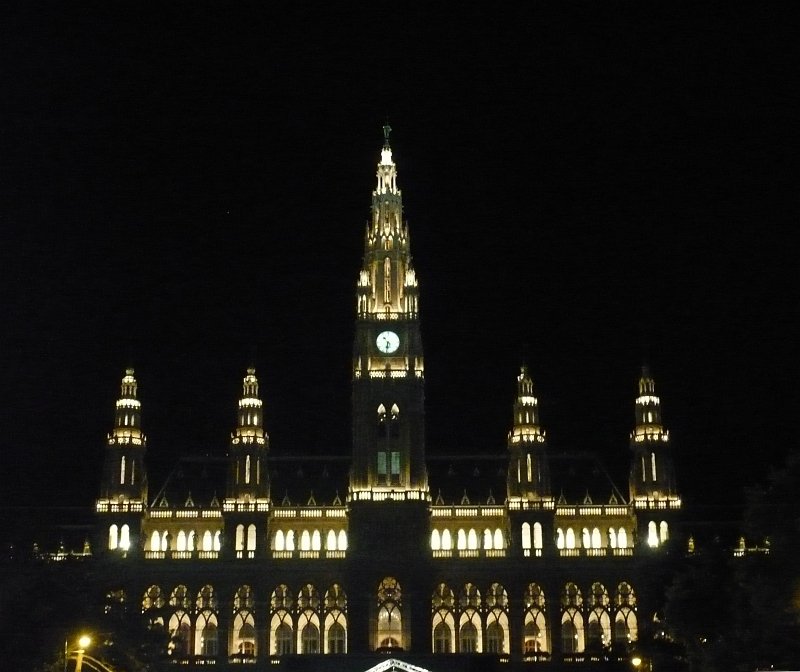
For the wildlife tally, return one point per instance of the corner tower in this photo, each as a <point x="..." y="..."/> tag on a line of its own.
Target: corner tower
<point x="247" y="498"/>
<point x="123" y="491"/>
<point x="388" y="369"/>
<point x="248" y="480"/>
<point x="528" y="470"/>
<point x="653" y="490"/>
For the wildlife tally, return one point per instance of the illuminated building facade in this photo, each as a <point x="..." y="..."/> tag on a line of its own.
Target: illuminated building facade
<point x="437" y="562"/>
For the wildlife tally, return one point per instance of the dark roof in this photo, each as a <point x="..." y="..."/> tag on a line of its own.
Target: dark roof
<point x="323" y="481"/>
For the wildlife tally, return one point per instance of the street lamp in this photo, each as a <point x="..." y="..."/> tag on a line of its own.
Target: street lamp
<point x="83" y="644"/>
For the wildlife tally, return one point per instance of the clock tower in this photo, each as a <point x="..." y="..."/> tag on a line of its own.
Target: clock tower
<point x="388" y="369"/>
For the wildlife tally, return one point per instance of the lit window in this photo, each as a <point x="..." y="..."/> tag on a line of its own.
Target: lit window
<point x="113" y="541"/>
<point x="537" y="535"/>
<point x="447" y="540"/>
<point x="526" y="535"/>
<point x="125" y="537"/>
<point x="653" y="465"/>
<point x="251" y="537"/>
<point x="436" y="542"/>
<point x="652" y="534"/>
<point x="499" y="542"/>
<point x="240" y="537"/>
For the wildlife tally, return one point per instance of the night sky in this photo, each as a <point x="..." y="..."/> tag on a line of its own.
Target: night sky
<point x="589" y="186"/>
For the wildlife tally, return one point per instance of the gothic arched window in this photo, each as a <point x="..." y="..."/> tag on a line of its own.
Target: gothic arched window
<point x="390" y="625"/>
<point x="335" y="620"/>
<point x="535" y="638"/>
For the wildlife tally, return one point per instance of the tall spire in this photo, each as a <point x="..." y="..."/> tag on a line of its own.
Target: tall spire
<point x="247" y="477"/>
<point x="528" y="470"/>
<point x="387" y="285"/>
<point x="124" y="476"/>
<point x="388" y="366"/>
<point x="652" y="472"/>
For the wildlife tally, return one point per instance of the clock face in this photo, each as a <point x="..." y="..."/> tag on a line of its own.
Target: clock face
<point x="387" y="342"/>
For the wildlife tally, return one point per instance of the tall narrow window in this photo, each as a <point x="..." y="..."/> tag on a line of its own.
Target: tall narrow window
<point x="387" y="280"/>
<point x="251" y="537"/>
<point x="247" y="469"/>
<point x="537" y="535"/>
<point x="395" y="467"/>
<point x="112" y="537"/>
<point x="644" y="470"/>
<point x="526" y="535"/>
<point x="122" y="471"/>
<point x="125" y="537"/>
<point x="133" y="471"/>
<point x="240" y="537"/>
<point x="652" y="534"/>
<point x="530" y="469"/>
<point x="653" y="465"/>
<point x="381" y="466"/>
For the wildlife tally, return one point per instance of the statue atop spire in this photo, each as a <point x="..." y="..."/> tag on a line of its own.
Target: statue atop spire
<point x="386" y="130"/>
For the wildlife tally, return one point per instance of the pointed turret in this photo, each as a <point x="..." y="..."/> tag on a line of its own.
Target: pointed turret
<point x="528" y="470"/>
<point x="125" y="478"/>
<point x="123" y="491"/>
<point x="247" y="476"/>
<point x="247" y="502"/>
<point x="387" y="285"/>
<point x="652" y="474"/>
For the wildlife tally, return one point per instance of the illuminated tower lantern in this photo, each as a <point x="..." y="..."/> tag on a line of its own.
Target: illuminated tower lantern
<point x="528" y="471"/>
<point x="530" y="503"/>
<point x="388" y="491"/>
<point x="247" y="500"/>
<point x="652" y="475"/>
<point x="124" y="486"/>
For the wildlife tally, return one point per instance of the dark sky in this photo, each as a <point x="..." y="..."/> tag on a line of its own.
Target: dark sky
<point x="184" y="189"/>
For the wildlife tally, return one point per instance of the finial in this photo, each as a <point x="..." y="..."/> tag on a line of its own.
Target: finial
<point x="386" y="130"/>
